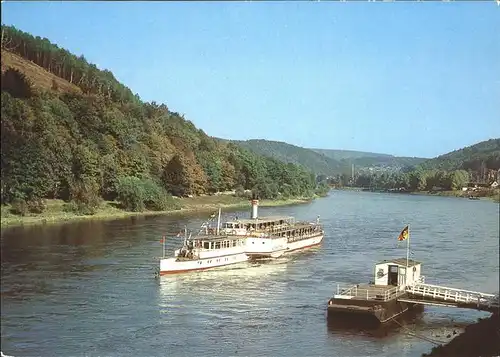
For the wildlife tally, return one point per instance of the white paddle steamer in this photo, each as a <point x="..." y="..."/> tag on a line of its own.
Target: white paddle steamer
<point x="240" y="240"/>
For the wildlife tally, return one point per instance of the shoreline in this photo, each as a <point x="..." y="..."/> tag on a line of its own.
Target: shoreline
<point x="459" y="194"/>
<point x="54" y="214"/>
<point x="478" y="339"/>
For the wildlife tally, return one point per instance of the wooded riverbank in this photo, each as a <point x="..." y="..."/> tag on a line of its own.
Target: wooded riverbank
<point x="55" y="213"/>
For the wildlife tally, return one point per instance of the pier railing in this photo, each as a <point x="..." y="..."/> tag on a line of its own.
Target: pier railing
<point x="367" y="292"/>
<point x="458" y="296"/>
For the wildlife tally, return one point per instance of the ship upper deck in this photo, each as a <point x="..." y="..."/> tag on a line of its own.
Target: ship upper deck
<point x="259" y="220"/>
<point x="215" y="237"/>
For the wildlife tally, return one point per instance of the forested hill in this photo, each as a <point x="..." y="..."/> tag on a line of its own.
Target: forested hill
<point x="478" y="163"/>
<point x="348" y="154"/>
<point x="70" y="130"/>
<point x="477" y="157"/>
<point x="278" y="150"/>
<point x="363" y="159"/>
<point x="326" y="161"/>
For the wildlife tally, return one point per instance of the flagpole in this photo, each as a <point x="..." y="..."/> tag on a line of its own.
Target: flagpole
<point x="408" y="249"/>
<point x="218" y="222"/>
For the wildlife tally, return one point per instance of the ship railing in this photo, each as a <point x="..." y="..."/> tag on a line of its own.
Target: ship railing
<point x="345" y="290"/>
<point x="303" y="236"/>
<point x="287" y="227"/>
<point x="371" y="292"/>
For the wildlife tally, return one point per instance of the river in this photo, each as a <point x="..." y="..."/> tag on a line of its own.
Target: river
<point x="88" y="288"/>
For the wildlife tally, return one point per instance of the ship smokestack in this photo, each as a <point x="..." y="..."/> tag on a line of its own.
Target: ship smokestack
<point x="255" y="207"/>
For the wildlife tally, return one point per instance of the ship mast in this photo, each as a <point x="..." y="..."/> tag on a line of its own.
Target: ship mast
<point x="218" y="222"/>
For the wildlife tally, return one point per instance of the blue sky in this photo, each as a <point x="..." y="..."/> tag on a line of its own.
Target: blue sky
<point x="409" y="79"/>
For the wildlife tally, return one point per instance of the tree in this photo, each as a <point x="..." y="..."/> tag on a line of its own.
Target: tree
<point x="459" y="179"/>
<point x="183" y="176"/>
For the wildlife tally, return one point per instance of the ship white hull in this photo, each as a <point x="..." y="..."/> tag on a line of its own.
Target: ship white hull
<point x="172" y="266"/>
<point x="265" y="247"/>
<point x="304" y="243"/>
<point x="274" y="254"/>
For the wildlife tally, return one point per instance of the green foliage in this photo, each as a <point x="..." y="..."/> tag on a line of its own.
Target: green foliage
<point x="183" y="176"/>
<point x="19" y="207"/>
<point x="84" y="197"/>
<point x="137" y="194"/>
<point x="288" y="153"/>
<point x="106" y="143"/>
<point x="417" y="180"/>
<point x="157" y="198"/>
<point x="130" y="193"/>
<point x="347" y="158"/>
<point x="452" y="171"/>
<point x="36" y="206"/>
<point x="327" y="162"/>
<point x="22" y="207"/>
<point x="348" y="154"/>
<point x="322" y="189"/>
<point x="240" y="192"/>
<point x="476" y="158"/>
<point x="459" y="179"/>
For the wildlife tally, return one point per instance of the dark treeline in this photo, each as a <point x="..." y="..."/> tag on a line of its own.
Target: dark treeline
<point x="104" y="143"/>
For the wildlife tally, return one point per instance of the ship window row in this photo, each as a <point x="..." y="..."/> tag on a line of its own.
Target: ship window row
<point x="222" y="244"/>
<point x="264" y="225"/>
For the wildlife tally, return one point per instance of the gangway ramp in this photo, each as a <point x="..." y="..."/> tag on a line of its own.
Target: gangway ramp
<point x="428" y="294"/>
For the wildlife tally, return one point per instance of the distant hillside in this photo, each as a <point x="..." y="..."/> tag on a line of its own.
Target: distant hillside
<point x="326" y="161"/>
<point x="392" y="162"/>
<point x="477" y="157"/>
<point x="348" y="154"/>
<point x="316" y="162"/>
<point x="363" y="159"/>
<point x="452" y="171"/>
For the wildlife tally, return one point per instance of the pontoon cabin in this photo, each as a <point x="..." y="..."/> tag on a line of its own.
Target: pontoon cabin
<point x="394" y="272"/>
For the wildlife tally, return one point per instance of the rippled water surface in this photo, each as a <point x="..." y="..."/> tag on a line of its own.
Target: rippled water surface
<point x="88" y="289"/>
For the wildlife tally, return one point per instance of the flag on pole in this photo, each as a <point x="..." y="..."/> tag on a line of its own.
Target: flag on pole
<point x="162" y="240"/>
<point x="404" y="234"/>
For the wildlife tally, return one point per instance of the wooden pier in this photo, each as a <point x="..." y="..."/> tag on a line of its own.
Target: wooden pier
<point x="398" y="288"/>
<point x="428" y="294"/>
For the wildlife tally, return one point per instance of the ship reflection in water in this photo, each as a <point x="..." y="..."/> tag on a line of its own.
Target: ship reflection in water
<point x="224" y="282"/>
